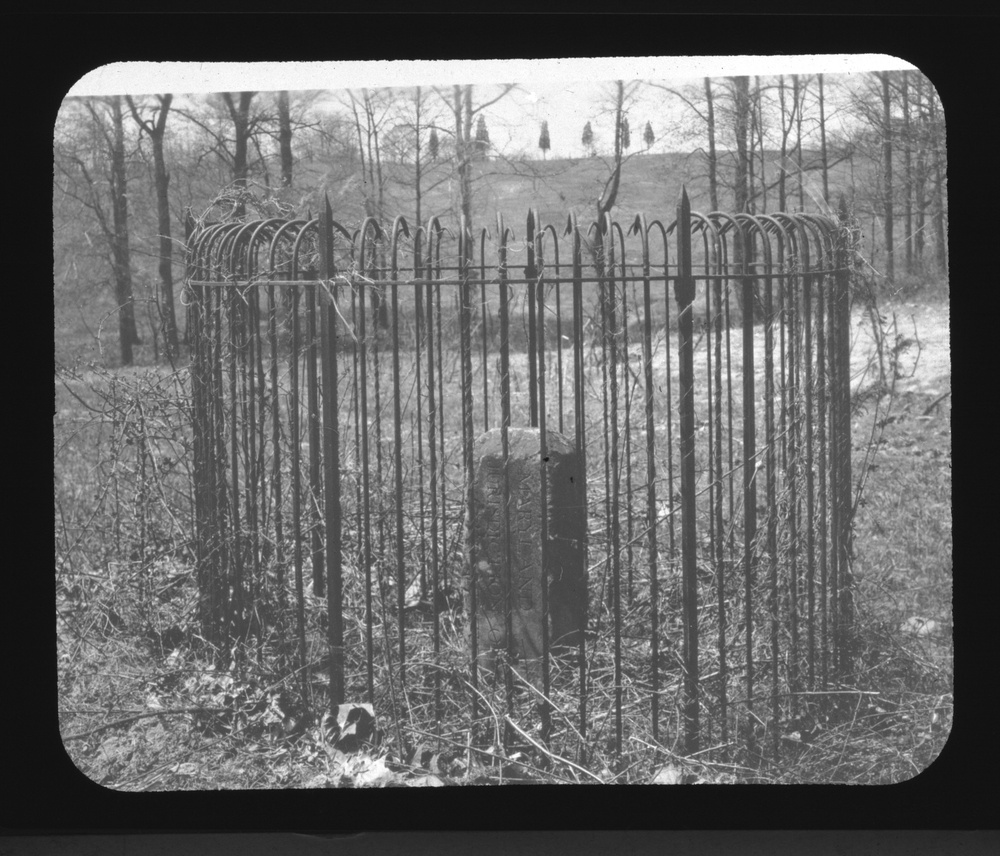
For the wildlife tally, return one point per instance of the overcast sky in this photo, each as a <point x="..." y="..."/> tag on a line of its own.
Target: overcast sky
<point x="565" y="92"/>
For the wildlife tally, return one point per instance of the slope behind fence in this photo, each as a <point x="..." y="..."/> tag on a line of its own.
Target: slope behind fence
<point x="698" y="368"/>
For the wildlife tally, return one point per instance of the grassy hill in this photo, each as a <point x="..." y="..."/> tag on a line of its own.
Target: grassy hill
<point x="650" y="184"/>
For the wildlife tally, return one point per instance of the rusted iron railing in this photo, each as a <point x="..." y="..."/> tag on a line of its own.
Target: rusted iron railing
<point x="701" y="367"/>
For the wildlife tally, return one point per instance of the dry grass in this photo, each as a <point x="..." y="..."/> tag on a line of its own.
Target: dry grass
<point x="128" y="649"/>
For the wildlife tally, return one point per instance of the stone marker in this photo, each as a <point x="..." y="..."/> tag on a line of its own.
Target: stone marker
<point x="567" y="527"/>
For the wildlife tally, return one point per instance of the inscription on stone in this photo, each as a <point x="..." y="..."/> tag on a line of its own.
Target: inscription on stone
<point x="510" y="559"/>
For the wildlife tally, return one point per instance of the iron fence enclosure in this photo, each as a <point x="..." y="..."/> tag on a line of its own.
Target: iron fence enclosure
<point x="700" y="366"/>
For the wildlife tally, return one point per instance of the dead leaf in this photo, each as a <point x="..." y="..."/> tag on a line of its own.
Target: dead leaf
<point x="428" y="781"/>
<point x="668" y="775"/>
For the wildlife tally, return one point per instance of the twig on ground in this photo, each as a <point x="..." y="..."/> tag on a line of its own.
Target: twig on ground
<point x="126" y="720"/>
<point x="936" y="402"/>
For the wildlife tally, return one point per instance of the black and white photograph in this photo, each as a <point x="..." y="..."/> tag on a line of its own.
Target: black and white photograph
<point x="440" y="424"/>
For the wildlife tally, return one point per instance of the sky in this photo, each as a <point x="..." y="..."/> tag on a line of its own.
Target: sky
<point x="564" y="92"/>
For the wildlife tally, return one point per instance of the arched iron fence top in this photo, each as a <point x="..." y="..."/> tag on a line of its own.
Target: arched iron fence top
<point x="282" y="239"/>
<point x="310" y="227"/>
<point x="616" y="228"/>
<point x="264" y="231"/>
<point x="204" y="244"/>
<point x="793" y="242"/>
<point x="820" y="233"/>
<point x="777" y="228"/>
<point x="827" y="228"/>
<point x="224" y="252"/>
<point x="399" y="226"/>
<point x="730" y="223"/>
<point x="757" y="228"/>
<point x="503" y="234"/>
<point x="369" y="224"/>
<point x="239" y="248"/>
<point x="549" y="227"/>
<point x="810" y="232"/>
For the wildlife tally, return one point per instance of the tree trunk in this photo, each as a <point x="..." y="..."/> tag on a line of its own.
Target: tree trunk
<point x="921" y="140"/>
<point x="798" y="96"/>
<point x="463" y="130"/>
<point x="165" y="266"/>
<point x="741" y="123"/>
<point x="784" y="143"/>
<point x="713" y="176"/>
<point x="908" y="241"/>
<point x="751" y="150"/>
<point x="887" y="174"/>
<point x="824" y="160"/>
<point x="285" y="139"/>
<point x="120" y="257"/>
<point x="156" y="131"/>
<point x="759" y="110"/>
<point x="418" y="176"/>
<point x="940" y="204"/>
<point x="740" y="118"/>
<point x="240" y="116"/>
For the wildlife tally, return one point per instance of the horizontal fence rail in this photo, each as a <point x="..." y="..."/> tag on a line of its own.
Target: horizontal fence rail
<point x="699" y="366"/>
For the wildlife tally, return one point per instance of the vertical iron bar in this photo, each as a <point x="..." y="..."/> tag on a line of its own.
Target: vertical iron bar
<point x="614" y="522"/>
<point x="792" y="478"/>
<point x="312" y="392"/>
<point x="720" y="564"/>
<point x="468" y="461"/>
<point x="529" y="275"/>
<point x="398" y="444"/>
<point x="505" y="453"/>
<point x="684" y="293"/>
<point x="810" y="486"/>
<point x="539" y="291"/>
<point x="293" y="418"/>
<point x="432" y="415"/>
<point x="749" y="460"/>
<point x="418" y="298"/>
<point x="364" y="427"/>
<point x="833" y="368"/>
<point x="651" y="548"/>
<point x="823" y="521"/>
<point x="846" y="484"/>
<point x="771" y="486"/>
<point x="331" y="463"/>
<point x="581" y="449"/>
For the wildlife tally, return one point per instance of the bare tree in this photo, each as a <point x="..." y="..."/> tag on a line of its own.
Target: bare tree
<point x="741" y="120"/>
<point x="824" y="158"/>
<point x="887" y="173"/>
<point x="155" y="129"/>
<point x="285" y="138"/>
<point x="464" y="111"/>
<point x="108" y="157"/>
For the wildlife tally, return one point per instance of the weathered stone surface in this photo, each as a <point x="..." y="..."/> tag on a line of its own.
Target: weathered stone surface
<point x="488" y="543"/>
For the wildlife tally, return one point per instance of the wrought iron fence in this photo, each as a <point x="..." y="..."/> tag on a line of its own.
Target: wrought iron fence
<point x="700" y="367"/>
